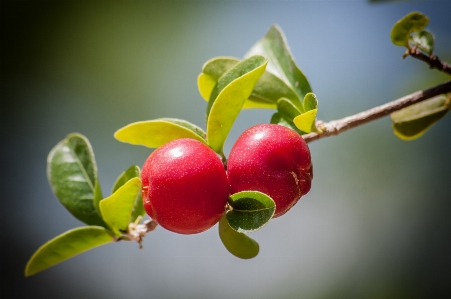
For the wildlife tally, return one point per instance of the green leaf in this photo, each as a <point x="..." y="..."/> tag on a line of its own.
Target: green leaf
<point x="310" y="102"/>
<point x="138" y="208"/>
<point x="278" y="119"/>
<point x="155" y="133"/>
<point x="251" y="210"/>
<point x="65" y="246"/>
<point x="117" y="209"/>
<point x="228" y="97"/>
<point x="424" y="40"/>
<point x="132" y="172"/>
<point x="268" y="89"/>
<point x="413" y="121"/>
<point x="237" y="243"/>
<point x="98" y="196"/>
<point x="212" y="70"/>
<point x="218" y="66"/>
<point x="306" y="121"/>
<point x="287" y="109"/>
<point x="412" y="22"/>
<point x="281" y="63"/>
<point x="239" y="71"/>
<point x="205" y="84"/>
<point x="72" y="173"/>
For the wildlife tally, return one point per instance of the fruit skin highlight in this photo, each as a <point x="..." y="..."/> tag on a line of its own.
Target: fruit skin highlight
<point x="272" y="159"/>
<point x="184" y="186"/>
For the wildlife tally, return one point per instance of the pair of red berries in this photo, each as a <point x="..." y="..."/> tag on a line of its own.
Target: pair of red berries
<point x="185" y="185"/>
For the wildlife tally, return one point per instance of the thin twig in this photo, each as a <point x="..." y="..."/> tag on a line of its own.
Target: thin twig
<point x="336" y="127"/>
<point x="433" y="61"/>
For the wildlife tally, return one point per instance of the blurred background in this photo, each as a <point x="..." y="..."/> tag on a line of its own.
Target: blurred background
<point x="376" y="224"/>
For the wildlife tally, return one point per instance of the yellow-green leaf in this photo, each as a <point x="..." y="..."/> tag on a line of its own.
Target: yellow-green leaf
<point x="132" y="172"/>
<point x="278" y="119"/>
<point x="268" y="89"/>
<point x="228" y="97"/>
<point x="155" y="133"/>
<point x="65" y="246"/>
<point x="218" y="66"/>
<point x="413" y="121"/>
<point x="205" y="83"/>
<point x="237" y="243"/>
<point x="117" y="209"/>
<point x="212" y="70"/>
<point x="306" y="121"/>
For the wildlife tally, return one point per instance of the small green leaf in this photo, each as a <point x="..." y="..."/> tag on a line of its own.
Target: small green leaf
<point x="310" y="102"/>
<point x="237" y="243"/>
<point x="278" y="119"/>
<point x="117" y="209"/>
<point x="412" y="22"/>
<point x="212" y="70"/>
<point x="65" y="246"/>
<point x="268" y="89"/>
<point x="287" y="109"/>
<point x="306" y="121"/>
<point x="281" y="63"/>
<point x="424" y="40"/>
<point x="72" y="173"/>
<point x="132" y="172"/>
<point x="228" y="97"/>
<point x="155" y="133"/>
<point x="413" y="121"/>
<point x="251" y="210"/>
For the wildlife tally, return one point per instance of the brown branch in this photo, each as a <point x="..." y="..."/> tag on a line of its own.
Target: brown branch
<point x="433" y="61"/>
<point x="336" y="127"/>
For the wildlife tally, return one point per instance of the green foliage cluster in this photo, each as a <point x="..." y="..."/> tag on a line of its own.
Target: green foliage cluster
<point x="268" y="78"/>
<point x="413" y="121"/>
<point x="72" y="173"/>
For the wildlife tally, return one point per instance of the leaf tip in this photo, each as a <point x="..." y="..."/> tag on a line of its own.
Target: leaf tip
<point x="27" y="272"/>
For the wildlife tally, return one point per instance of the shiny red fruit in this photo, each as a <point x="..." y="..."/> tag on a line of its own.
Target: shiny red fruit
<point x="185" y="186"/>
<point x="274" y="160"/>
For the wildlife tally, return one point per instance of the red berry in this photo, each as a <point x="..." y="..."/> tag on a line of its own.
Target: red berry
<point x="185" y="186"/>
<point x="274" y="160"/>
